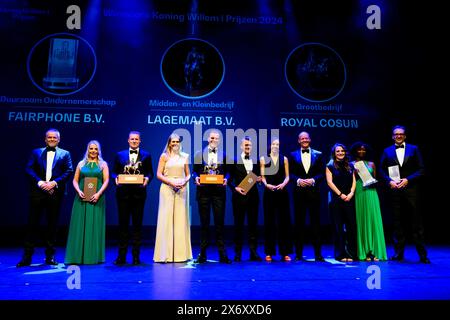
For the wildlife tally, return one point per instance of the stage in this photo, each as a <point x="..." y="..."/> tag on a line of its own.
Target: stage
<point x="281" y="281"/>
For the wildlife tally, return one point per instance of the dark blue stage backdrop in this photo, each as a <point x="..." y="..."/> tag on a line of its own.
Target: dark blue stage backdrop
<point x="342" y="70"/>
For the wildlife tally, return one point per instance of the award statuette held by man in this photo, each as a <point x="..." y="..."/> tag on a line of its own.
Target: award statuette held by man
<point x="90" y="187"/>
<point x="132" y="174"/>
<point x="211" y="175"/>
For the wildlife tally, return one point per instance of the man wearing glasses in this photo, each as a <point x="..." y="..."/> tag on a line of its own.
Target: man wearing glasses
<point x="402" y="168"/>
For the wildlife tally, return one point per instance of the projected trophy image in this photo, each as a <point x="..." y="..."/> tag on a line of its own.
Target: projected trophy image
<point x="315" y="72"/>
<point x="192" y="68"/>
<point x="62" y="64"/>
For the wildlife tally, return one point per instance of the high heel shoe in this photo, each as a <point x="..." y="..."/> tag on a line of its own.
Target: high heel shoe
<point x="371" y="257"/>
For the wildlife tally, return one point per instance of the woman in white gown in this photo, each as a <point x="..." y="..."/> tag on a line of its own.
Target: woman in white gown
<point x="173" y="236"/>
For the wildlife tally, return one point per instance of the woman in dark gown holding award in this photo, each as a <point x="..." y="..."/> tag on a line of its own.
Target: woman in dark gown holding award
<point x="86" y="240"/>
<point x="369" y="224"/>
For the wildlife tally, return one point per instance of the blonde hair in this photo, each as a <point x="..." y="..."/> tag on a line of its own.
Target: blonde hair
<point x="86" y="155"/>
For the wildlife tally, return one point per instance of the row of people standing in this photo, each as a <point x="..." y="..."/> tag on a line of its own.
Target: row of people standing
<point x="87" y="228"/>
<point x="307" y="169"/>
<point x="86" y="238"/>
<point x="357" y="220"/>
<point x="51" y="167"/>
<point x="401" y="168"/>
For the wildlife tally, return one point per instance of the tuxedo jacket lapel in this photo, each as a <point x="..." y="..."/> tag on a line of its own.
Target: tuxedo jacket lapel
<point x="300" y="161"/>
<point x="43" y="159"/>
<point x="407" y="154"/>
<point x="241" y="168"/>
<point x="55" y="159"/>
<point x="394" y="156"/>
<point x="313" y="158"/>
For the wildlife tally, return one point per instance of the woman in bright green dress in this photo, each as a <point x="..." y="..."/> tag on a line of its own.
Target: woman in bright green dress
<point x="86" y="240"/>
<point x="369" y="224"/>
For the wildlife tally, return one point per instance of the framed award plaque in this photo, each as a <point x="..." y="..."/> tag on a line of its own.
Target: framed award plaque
<point x="211" y="178"/>
<point x="90" y="187"/>
<point x="131" y="178"/>
<point x="248" y="182"/>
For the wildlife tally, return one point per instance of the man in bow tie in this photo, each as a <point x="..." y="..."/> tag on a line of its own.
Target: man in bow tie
<point x="307" y="172"/>
<point x="131" y="197"/>
<point x="404" y="191"/>
<point x="213" y="159"/>
<point x="245" y="204"/>
<point x="48" y="169"/>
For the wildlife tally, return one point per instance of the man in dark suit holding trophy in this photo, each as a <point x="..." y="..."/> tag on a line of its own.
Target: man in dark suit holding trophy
<point x="210" y="164"/>
<point x="132" y="172"/>
<point x="402" y="168"/>
<point x="48" y="169"/>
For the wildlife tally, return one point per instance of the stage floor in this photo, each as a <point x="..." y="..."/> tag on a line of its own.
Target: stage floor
<point x="330" y="280"/>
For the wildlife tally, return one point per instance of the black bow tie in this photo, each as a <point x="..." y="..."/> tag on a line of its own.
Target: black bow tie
<point x="50" y="149"/>
<point x="247" y="157"/>
<point x="400" y="146"/>
<point x="212" y="150"/>
<point x="305" y="150"/>
<point x="133" y="151"/>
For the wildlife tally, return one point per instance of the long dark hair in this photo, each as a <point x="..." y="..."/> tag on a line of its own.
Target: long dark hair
<point x="345" y="161"/>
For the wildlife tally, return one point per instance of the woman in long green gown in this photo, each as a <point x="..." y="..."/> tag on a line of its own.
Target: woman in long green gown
<point x="86" y="240"/>
<point x="369" y="224"/>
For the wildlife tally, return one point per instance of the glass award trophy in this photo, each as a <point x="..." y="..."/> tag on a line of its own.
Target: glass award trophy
<point x="394" y="173"/>
<point x="211" y="175"/>
<point x="131" y="174"/>
<point x="364" y="174"/>
<point x="62" y="64"/>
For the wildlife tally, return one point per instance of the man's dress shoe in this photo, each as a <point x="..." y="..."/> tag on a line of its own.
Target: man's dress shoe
<point x="397" y="257"/>
<point x="224" y="259"/>
<point x="25" y="262"/>
<point x="237" y="258"/>
<point x="136" y="261"/>
<point x="120" y="261"/>
<point x="255" y="257"/>
<point x="299" y="258"/>
<point x="201" y="258"/>
<point x="319" y="259"/>
<point x="51" y="261"/>
<point x="425" y="260"/>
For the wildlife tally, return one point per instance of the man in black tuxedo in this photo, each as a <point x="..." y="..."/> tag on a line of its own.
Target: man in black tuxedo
<point x="211" y="195"/>
<point x="48" y="169"/>
<point x="131" y="197"/>
<point x="245" y="203"/>
<point x="307" y="171"/>
<point x="404" y="191"/>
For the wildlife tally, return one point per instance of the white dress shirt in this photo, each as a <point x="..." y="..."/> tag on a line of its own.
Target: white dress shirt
<point x="50" y="159"/>
<point x="134" y="156"/>
<point x="248" y="163"/>
<point x="306" y="159"/>
<point x="401" y="154"/>
<point x="212" y="157"/>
